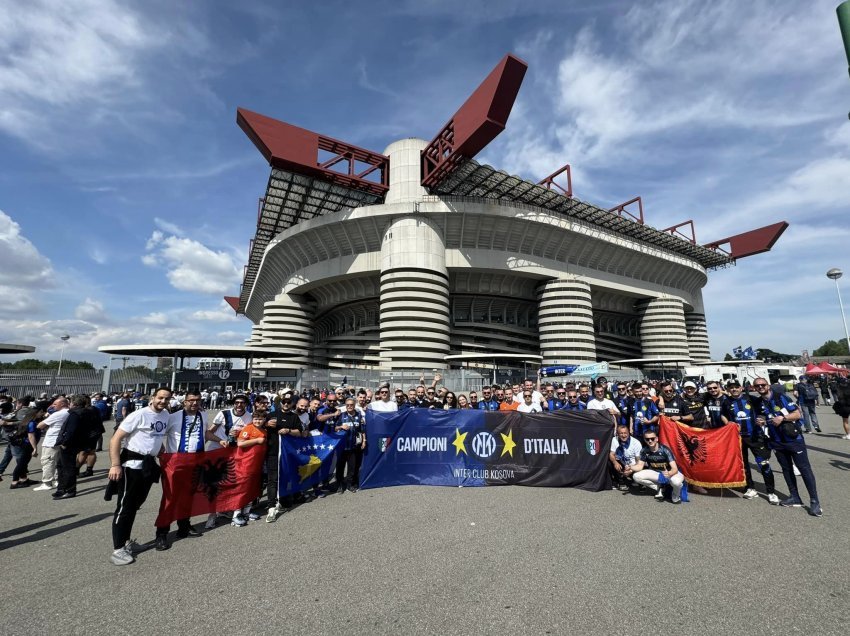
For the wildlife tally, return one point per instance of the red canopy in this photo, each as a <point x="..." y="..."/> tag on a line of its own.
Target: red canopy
<point x="813" y="369"/>
<point x="831" y="368"/>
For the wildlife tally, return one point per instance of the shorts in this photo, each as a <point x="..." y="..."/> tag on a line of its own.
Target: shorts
<point x="842" y="409"/>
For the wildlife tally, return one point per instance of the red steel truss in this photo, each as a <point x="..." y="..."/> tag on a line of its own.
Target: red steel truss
<point x="750" y="243"/>
<point x="621" y="209"/>
<point x="674" y="230"/>
<point x="550" y="182"/>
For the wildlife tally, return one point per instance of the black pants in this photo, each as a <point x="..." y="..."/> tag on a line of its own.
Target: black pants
<point x="20" y="472"/>
<point x="133" y="489"/>
<point x="351" y="459"/>
<point x="182" y="524"/>
<point x="788" y="454"/>
<point x="67" y="470"/>
<point x="761" y="454"/>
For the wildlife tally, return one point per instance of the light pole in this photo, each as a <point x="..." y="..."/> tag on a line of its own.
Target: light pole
<point x="64" y="340"/>
<point x="835" y="274"/>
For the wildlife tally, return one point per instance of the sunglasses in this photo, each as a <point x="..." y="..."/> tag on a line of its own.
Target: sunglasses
<point x="650" y="439"/>
<point x="760" y="386"/>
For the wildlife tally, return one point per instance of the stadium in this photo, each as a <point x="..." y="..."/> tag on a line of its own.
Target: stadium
<point x="400" y="259"/>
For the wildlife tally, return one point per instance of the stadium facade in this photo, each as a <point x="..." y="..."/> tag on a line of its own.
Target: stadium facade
<point x="396" y="260"/>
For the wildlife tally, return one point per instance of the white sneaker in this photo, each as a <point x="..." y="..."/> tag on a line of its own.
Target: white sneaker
<point x="750" y="493"/>
<point x="773" y="499"/>
<point x="845" y="437"/>
<point x="273" y="514"/>
<point x="132" y="547"/>
<point x="253" y="516"/>
<point x="238" y="521"/>
<point x="210" y="524"/>
<point x="56" y="484"/>
<point x="43" y="487"/>
<point x="121" y="556"/>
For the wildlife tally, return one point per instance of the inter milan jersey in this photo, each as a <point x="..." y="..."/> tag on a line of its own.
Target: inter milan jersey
<point x="773" y="407"/>
<point x="489" y="405"/>
<point x="742" y="411"/>
<point x="624" y="405"/>
<point x="660" y="459"/>
<point x="696" y="407"/>
<point x="578" y="405"/>
<point x="643" y="409"/>
<point x="555" y="404"/>
<point x="714" y="407"/>
<point x="675" y="406"/>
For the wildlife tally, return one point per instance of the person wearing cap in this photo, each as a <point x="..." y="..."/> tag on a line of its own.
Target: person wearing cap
<point x="287" y="423"/>
<point x="780" y="414"/>
<point x="603" y="382"/>
<point x="694" y="404"/>
<point x="739" y="408"/>
<point x="807" y="397"/>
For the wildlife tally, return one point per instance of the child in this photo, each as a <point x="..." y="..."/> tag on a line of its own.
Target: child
<point x="252" y="435"/>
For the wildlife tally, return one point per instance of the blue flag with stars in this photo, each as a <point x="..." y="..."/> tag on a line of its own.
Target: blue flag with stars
<point x="305" y="462"/>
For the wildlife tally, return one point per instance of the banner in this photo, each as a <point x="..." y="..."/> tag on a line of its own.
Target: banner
<point x="306" y="462"/>
<point x="213" y="481"/>
<point x="707" y="457"/>
<point x="481" y="448"/>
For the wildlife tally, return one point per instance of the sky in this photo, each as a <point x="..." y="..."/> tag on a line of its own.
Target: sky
<point x="128" y="194"/>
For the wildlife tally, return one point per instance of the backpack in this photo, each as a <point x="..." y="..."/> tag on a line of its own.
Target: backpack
<point x="811" y="392"/>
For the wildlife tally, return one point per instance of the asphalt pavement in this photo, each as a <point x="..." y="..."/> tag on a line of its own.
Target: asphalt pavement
<point x="429" y="560"/>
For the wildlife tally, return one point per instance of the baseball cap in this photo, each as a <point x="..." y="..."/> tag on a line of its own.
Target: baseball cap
<point x="689" y="384"/>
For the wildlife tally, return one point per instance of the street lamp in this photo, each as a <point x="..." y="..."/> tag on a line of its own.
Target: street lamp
<point x="64" y="340"/>
<point x="835" y="274"/>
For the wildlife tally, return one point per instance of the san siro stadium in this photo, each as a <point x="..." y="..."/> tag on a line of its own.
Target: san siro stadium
<point x="419" y="257"/>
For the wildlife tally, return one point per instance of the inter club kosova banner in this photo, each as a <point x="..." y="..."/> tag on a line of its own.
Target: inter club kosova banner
<point x="708" y="457"/>
<point x="479" y="448"/>
<point x="221" y="480"/>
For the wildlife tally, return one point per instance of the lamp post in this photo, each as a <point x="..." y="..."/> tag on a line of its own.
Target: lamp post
<point x="64" y="340"/>
<point x="835" y="274"/>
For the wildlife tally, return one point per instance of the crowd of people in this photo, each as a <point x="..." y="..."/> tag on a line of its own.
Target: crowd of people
<point x="770" y="418"/>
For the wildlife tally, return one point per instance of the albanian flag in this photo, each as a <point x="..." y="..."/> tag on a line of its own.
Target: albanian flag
<point x="477" y="448"/>
<point x="707" y="457"/>
<point x="222" y="480"/>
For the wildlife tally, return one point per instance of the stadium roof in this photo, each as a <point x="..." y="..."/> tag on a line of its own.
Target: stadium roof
<point x="11" y="349"/>
<point x="197" y="351"/>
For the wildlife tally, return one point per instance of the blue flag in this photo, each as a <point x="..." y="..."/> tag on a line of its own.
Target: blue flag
<point x="305" y="462"/>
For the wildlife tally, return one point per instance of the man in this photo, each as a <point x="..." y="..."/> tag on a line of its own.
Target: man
<point x="740" y="409"/>
<point x="625" y="452"/>
<point x="656" y="466"/>
<point x="473" y="401"/>
<point x="623" y="401"/>
<point x="584" y="392"/>
<point x="695" y="405"/>
<point x="557" y="401"/>
<point x="384" y="404"/>
<point x="508" y="403"/>
<point x="807" y="397"/>
<point x="713" y="404"/>
<point x="227" y="424"/>
<point x="94" y="426"/>
<point x="51" y="426"/>
<point x="362" y="403"/>
<point x="186" y="433"/>
<point x="134" y="470"/>
<point x="499" y="395"/>
<point x="123" y="408"/>
<point x="530" y="385"/>
<point x="285" y="424"/>
<point x="400" y="400"/>
<point x="528" y="404"/>
<point x="601" y="403"/>
<point x="328" y="418"/>
<point x="431" y="401"/>
<point x="780" y="414"/>
<point x="351" y="448"/>
<point x="24" y="411"/>
<point x="673" y="406"/>
<point x="573" y="402"/>
<point x="643" y="414"/>
<point x="603" y="382"/>
<point x="488" y="402"/>
<point x="73" y="437"/>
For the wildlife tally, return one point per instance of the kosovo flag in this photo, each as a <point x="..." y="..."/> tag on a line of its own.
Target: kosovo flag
<point x="305" y="462"/>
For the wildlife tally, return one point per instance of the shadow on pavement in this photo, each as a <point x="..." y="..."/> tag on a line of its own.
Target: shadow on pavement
<point x="839" y="464"/>
<point x="827" y="451"/>
<point x="32" y="526"/>
<point x="44" y="534"/>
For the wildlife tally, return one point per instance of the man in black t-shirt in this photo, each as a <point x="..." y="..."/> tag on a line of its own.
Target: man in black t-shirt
<point x="695" y="405"/>
<point x="286" y="423"/>
<point x="673" y="406"/>
<point x="656" y="466"/>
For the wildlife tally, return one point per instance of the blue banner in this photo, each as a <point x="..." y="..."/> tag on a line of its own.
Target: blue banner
<point x="480" y="448"/>
<point x="305" y="462"/>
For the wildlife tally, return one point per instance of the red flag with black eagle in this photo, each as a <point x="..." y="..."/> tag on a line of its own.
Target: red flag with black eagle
<point x="221" y="480"/>
<point x="707" y="457"/>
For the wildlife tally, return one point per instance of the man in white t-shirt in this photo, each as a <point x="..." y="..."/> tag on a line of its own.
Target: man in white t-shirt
<point x="600" y="403"/>
<point x="51" y="426"/>
<point x="528" y="385"/>
<point x="383" y="403"/>
<point x="229" y="422"/>
<point x="625" y="452"/>
<point x="528" y="404"/>
<point x="133" y="468"/>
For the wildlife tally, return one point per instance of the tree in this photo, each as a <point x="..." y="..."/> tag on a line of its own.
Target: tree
<point x="832" y="348"/>
<point x="728" y="357"/>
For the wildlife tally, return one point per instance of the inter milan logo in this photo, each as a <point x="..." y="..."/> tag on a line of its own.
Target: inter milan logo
<point x="210" y="476"/>
<point x="483" y="444"/>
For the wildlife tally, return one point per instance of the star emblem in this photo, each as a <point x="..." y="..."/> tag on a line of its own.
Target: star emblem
<point x="460" y="438"/>
<point x="509" y="443"/>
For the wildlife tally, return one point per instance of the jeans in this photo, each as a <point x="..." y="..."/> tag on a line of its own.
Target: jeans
<point x="11" y="451"/>
<point x="24" y="455"/>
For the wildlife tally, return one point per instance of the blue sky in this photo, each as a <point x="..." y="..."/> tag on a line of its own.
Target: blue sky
<point x="128" y="194"/>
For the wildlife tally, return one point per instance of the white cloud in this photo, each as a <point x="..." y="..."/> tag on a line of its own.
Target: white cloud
<point x="21" y="264"/>
<point x="154" y="318"/>
<point x="190" y="265"/>
<point x="223" y="313"/>
<point x="90" y="310"/>
<point x="167" y="226"/>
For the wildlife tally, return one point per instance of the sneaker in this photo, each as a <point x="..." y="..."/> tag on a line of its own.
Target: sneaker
<point x="43" y="487"/>
<point x="321" y="494"/>
<point x="750" y="493"/>
<point x="87" y="473"/>
<point x="253" y="516"/>
<point x="791" y="502"/>
<point x="773" y="499"/>
<point x="659" y="495"/>
<point x="677" y="500"/>
<point x="273" y="514"/>
<point x="624" y="487"/>
<point x="845" y="437"/>
<point x="121" y="556"/>
<point x="56" y="484"/>
<point x="815" y="510"/>
<point x="238" y="522"/>
<point x="210" y="524"/>
<point x="188" y="532"/>
<point x="132" y="547"/>
<point x="817" y="428"/>
<point x="353" y="489"/>
<point x="161" y="543"/>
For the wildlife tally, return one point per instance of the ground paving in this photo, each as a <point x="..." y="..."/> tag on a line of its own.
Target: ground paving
<point x="427" y="560"/>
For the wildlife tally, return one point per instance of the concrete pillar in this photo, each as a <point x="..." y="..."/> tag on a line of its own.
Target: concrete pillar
<point x="414" y="280"/>
<point x="662" y="328"/>
<point x="287" y="323"/>
<point x="697" y="337"/>
<point x="565" y="322"/>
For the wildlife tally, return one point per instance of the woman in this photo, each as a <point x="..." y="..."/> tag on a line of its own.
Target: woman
<point x="462" y="401"/>
<point x="450" y="401"/>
